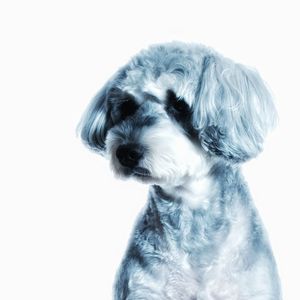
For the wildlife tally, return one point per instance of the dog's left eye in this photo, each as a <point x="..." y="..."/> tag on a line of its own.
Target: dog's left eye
<point x="175" y="105"/>
<point x="180" y="111"/>
<point x="180" y="105"/>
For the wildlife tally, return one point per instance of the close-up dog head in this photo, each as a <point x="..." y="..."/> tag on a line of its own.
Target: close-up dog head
<point x="174" y="110"/>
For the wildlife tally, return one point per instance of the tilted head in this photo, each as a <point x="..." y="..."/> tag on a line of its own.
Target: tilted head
<point x="176" y="108"/>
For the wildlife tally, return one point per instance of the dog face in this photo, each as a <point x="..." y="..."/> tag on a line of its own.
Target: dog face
<point x="174" y="109"/>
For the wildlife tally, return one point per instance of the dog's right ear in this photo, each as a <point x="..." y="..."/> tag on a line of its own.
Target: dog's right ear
<point x="93" y="124"/>
<point x="96" y="120"/>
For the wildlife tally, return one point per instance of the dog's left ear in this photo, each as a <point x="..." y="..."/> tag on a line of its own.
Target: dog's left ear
<point x="233" y="110"/>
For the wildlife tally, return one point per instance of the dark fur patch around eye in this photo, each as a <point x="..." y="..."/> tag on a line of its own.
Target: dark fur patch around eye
<point x="127" y="107"/>
<point x="177" y="106"/>
<point x="179" y="110"/>
<point x="122" y="105"/>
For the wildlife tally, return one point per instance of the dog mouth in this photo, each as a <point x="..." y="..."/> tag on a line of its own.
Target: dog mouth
<point x="141" y="173"/>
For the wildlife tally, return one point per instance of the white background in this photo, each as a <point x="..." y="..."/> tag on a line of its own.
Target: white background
<point x="64" y="219"/>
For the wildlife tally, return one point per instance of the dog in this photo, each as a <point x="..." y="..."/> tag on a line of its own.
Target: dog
<point x="183" y="118"/>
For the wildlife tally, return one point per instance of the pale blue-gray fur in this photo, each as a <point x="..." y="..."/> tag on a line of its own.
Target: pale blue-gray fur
<point x="168" y="221"/>
<point x="232" y="112"/>
<point x="233" y="109"/>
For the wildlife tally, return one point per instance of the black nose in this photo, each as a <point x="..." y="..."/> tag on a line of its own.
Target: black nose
<point x="129" y="155"/>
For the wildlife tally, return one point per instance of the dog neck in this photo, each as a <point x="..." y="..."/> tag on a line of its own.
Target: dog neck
<point x="200" y="192"/>
<point x="195" y="193"/>
<point x="208" y="195"/>
<point x="197" y="209"/>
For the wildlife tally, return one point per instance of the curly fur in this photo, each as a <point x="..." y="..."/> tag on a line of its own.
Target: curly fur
<point x="194" y="116"/>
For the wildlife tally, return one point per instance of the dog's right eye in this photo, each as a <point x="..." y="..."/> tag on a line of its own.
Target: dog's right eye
<point x="123" y="108"/>
<point x="127" y="108"/>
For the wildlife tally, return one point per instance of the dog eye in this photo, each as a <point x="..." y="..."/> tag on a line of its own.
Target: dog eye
<point x="123" y="107"/>
<point x="180" y="105"/>
<point x="175" y="104"/>
<point x="127" y="108"/>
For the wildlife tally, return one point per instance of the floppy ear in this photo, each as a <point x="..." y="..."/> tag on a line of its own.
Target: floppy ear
<point x="93" y="124"/>
<point x="233" y="109"/>
<point x="96" y="120"/>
